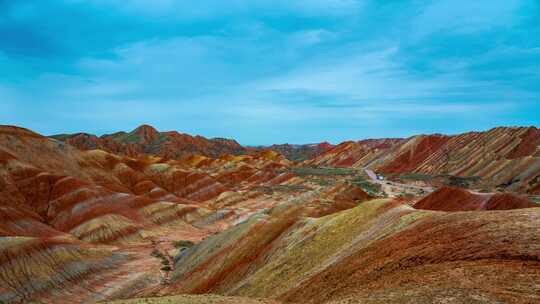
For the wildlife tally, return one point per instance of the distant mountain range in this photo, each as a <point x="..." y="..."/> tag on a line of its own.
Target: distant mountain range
<point x="174" y="145"/>
<point x="506" y="157"/>
<point x="147" y="140"/>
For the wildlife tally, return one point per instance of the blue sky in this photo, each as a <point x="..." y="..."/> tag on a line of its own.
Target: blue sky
<point x="271" y="71"/>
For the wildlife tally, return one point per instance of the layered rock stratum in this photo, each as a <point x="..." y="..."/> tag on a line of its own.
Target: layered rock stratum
<point x="146" y="139"/>
<point x="504" y="157"/>
<point x="135" y="219"/>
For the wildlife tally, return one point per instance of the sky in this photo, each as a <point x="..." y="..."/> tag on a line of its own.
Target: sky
<point x="270" y="71"/>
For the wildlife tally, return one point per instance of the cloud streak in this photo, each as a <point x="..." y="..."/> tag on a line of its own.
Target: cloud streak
<point x="270" y="71"/>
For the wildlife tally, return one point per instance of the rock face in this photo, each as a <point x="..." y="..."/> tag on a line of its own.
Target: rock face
<point x="507" y="158"/>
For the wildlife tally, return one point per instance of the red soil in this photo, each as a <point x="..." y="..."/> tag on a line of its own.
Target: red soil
<point x="456" y="199"/>
<point x="445" y="258"/>
<point x="534" y="189"/>
<point x="528" y="145"/>
<point x="507" y="201"/>
<point x="409" y="160"/>
<point x="349" y="153"/>
<point x="18" y="131"/>
<point x="324" y="146"/>
<point x="5" y="157"/>
<point x="381" y="144"/>
<point x="146" y="133"/>
<point x="17" y="222"/>
<point x="451" y="199"/>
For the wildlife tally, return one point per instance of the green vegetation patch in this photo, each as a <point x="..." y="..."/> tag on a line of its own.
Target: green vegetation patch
<point x="157" y="254"/>
<point x="368" y="187"/>
<point x="462" y="182"/>
<point x="166" y="268"/>
<point x="132" y="138"/>
<point x="280" y="188"/>
<point x="164" y="260"/>
<point x="416" y="176"/>
<point x="306" y="171"/>
<point x="323" y="182"/>
<point x="450" y="180"/>
<point x="183" y="244"/>
<point x="535" y="199"/>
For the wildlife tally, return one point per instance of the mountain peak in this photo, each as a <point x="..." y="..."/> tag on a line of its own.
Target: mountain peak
<point x="146" y="132"/>
<point x="144" y="128"/>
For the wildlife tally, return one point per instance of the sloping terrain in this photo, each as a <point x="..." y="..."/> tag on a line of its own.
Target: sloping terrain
<point x="505" y="158"/>
<point x="115" y="220"/>
<point x="37" y="267"/>
<point x="89" y="225"/>
<point x="455" y="199"/>
<point x="485" y="257"/>
<point x="195" y="299"/>
<point x="147" y="140"/>
<point x="357" y="154"/>
<point x="59" y="208"/>
<point x="300" y="152"/>
<point x="379" y="252"/>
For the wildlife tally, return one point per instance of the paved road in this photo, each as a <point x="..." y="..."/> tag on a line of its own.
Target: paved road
<point x="373" y="176"/>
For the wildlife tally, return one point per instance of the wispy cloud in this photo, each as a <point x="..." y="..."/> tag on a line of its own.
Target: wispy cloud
<point x="466" y="17"/>
<point x="270" y="71"/>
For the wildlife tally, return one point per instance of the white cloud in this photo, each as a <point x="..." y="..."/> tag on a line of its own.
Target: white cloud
<point x="357" y="74"/>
